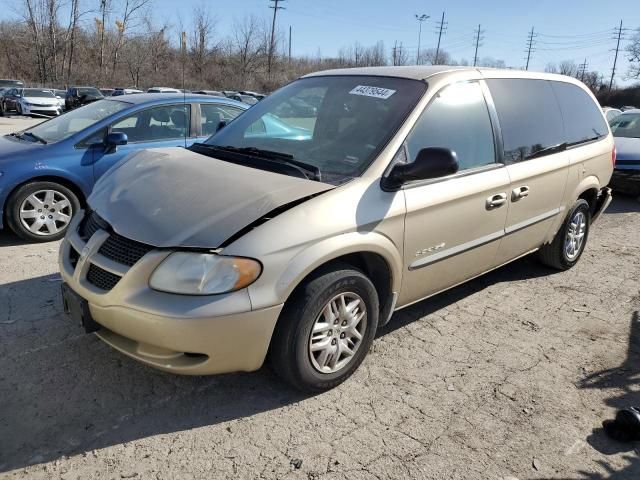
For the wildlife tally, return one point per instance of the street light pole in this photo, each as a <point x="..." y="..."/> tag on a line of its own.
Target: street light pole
<point x="420" y="18"/>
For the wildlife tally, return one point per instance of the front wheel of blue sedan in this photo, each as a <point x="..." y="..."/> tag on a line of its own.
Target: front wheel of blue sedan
<point x="41" y="211"/>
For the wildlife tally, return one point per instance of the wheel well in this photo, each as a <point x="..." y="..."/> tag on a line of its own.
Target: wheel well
<point x="374" y="266"/>
<point x="591" y="197"/>
<point x="50" y="178"/>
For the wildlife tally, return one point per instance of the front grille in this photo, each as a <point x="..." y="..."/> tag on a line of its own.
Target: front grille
<point x="101" y="278"/>
<point x="90" y="224"/>
<point x="123" y="250"/>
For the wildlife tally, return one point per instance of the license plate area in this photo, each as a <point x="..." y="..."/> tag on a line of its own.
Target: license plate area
<point x="78" y="309"/>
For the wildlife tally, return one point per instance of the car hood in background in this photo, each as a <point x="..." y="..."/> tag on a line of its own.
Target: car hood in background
<point x="42" y="101"/>
<point x="627" y="148"/>
<point x="177" y="198"/>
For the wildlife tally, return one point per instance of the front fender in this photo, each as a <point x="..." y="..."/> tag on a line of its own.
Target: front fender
<point x="278" y="287"/>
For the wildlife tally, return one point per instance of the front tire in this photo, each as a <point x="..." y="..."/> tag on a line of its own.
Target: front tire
<point x="41" y="211"/>
<point x="325" y="330"/>
<point x="567" y="246"/>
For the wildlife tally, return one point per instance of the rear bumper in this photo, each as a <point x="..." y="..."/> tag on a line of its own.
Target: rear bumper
<point x="602" y="202"/>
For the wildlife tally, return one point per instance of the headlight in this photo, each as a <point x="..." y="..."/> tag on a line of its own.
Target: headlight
<point x="192" y="273"/>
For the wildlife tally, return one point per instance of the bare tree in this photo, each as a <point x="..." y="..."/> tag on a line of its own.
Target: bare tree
<point x="248" y="44"/>
<point x="203" y="30"/>
<point x="129" y="10"/>
<point x="633" y="52"/>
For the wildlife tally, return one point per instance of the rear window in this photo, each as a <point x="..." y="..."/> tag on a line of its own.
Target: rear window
<point x="529" y="115"/>
<point x="583" y="119"/>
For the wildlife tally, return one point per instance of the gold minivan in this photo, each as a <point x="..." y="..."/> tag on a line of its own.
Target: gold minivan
<point x="380" y="187"/>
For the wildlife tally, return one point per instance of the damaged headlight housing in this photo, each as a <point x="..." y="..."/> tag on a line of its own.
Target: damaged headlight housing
<point x="194" y="273"/>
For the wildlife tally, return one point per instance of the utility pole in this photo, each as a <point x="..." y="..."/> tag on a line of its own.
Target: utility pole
<point x="442" y="26"/>
<point x="275" y="7"/>
<point x="395" y="48"/>
<point x="475" y="56"/>
<point x="530" y="42"/>
<point x="289" y="45"/>
<point x="615" y="59"/>
<point x="420" y="18"/>
<point x="582" y="68"/>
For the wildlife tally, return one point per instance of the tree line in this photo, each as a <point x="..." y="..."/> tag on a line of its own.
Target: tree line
<point x="111" y="43"/>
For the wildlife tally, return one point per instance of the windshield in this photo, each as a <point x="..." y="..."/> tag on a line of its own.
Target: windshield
<point x="92" y="92"/>
<point x="34" y="92"/>
<point x="626" y="125"/>
<point x="337" y="124"/>
<point x="62" y="127"/>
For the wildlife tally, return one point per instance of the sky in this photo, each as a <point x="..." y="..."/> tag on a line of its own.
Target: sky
<point x="566" y="29"/>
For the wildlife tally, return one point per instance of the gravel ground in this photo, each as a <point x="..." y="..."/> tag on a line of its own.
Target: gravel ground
<point x="508" y="376"/>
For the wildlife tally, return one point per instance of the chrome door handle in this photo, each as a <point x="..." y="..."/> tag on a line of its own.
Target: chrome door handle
<point x="520" y="192"/>
<point x="496" y="200"/>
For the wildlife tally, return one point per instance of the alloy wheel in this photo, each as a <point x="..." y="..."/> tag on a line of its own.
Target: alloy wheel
<point x="337" y="332"/>
<point x="575" y="235"/>
<point x="46" y="212"/>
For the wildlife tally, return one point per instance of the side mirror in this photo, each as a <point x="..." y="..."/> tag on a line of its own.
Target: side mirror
<point x="431" y="162"/>
<point x="113" y="140"/>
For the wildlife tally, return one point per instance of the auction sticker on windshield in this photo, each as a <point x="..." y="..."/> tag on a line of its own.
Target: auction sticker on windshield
<point x="376" y="92"/>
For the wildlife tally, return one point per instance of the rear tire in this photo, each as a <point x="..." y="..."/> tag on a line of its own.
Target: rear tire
<point x="41" y="211"/>
<point x="314" y="346"/>
<point x="567" y="246"/>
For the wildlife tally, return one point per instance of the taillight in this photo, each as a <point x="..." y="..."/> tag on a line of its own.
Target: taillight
<point x="613" y="156"/>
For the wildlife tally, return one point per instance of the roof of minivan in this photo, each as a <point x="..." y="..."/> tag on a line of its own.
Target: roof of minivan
<point x="416" y="72"/>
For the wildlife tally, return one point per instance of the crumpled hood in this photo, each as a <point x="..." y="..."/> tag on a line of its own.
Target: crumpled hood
<point x="627" y="148"/>
<point x="173" y="197"/>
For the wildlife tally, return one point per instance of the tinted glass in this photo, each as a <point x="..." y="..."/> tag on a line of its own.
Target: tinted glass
<point x="72" y="122"/>
<point x="354" y="119"/>
<point x="583" y="119"/>
<point x="211" y="115"/>
<point x="457" y="119"/>
<point x="530" y="117"/>
<point x="154" y="124"/>
<point x="626" y="125"/>
<point x="92" y="92"/>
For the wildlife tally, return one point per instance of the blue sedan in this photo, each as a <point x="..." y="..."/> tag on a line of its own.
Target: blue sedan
<point x="47" y="171"/>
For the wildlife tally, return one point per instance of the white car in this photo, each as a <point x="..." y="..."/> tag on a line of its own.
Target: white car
<point x="31" y="101"/>
<point x="610" y="113"/>
<point x="163" y="90"/>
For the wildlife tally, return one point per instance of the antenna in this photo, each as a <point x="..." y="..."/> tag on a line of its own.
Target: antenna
<point x="183" y="49"/>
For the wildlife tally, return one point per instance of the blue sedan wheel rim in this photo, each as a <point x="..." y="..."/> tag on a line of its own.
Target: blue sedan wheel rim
<point x="46" y="212"/>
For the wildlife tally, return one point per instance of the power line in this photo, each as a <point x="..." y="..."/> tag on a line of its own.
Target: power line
<point x="442" y="27"/>
<point x="478" y="32"/>
<point x="530" y="43"/>
<point x="275" y="7"/>
<point x="615" y="59"/>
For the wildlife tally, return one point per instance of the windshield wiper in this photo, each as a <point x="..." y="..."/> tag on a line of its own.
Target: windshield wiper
<point x="35" y="137"/>
<point x="308" y="171"/>
<point x="561" y="147"/>
<point x="279" y="156"/>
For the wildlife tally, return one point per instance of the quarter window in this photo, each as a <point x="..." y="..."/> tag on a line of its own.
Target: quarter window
<point x="529" y="116"/>
<point x="457" y="119"/>
<point x="582" y="117"/>
<point x="211" y="115"/>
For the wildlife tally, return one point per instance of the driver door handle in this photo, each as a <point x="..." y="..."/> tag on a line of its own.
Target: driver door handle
<point x="520" y="192"/>
<point x="496" y="201"/>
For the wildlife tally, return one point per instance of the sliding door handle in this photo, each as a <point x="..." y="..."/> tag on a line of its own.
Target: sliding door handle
<point x="520" y="192"/>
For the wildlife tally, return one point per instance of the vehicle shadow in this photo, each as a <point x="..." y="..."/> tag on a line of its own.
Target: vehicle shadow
<point x="10" y="239"/>
<point x="64" y="393"/>
<point x="622" y="203"/>
<point x="624" y="380"/>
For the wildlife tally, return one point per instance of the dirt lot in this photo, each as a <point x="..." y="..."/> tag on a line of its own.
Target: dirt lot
<point x="507" y="376"/>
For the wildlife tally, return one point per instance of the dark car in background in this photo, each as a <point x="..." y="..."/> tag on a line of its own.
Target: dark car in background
<point x="78" y="96"/>
<point x="626" y="133"/>
<point x="213" y="93"/>
<point x="248" y="99"/>
<point x="7" y="84"/>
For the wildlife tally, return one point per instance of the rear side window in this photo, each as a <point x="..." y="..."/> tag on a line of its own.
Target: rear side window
<point x="583" y="119"/>
<point x="530" y="117"/>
